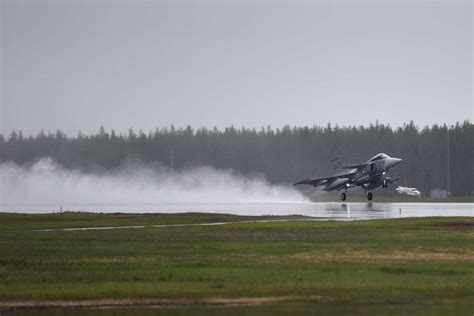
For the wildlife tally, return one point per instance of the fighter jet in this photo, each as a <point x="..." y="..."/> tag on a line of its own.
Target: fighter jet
<point x="370" y="176"/>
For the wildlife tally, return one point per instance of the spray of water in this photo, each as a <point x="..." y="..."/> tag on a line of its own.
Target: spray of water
<point x="46" y="182"/>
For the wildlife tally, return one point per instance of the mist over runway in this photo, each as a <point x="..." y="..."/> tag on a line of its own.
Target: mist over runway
<point x="46" y="186"/>
<point x="46" y="182"/>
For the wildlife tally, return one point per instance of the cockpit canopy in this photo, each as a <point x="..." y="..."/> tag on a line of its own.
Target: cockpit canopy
<point x="378" y="157"/>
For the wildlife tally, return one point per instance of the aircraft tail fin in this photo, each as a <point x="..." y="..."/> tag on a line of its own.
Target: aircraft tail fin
<point x="355" y="166"/>
<point x="335" y="163"/>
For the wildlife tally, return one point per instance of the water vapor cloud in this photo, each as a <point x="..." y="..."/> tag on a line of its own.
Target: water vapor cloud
<point x="46" y="182"/>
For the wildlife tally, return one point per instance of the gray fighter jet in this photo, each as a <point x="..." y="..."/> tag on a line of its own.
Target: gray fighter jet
<point x="370" y="175"/>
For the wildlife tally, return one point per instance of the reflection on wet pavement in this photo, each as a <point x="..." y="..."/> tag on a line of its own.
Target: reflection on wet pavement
<point x="336" y="211"/>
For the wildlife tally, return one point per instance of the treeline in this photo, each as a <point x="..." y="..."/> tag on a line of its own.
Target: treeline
<point x="282" y="155"/>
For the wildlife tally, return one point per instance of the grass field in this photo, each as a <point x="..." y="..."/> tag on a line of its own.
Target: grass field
<point x="395" y="266"/>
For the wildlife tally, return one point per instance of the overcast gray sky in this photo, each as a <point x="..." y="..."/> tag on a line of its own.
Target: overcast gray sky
<point x="77" y="65"/>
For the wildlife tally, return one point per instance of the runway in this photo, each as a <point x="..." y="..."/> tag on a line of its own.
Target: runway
<point x="335" y="211"/>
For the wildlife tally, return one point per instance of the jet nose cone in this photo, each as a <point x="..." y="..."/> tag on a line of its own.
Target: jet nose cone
<point x="395" y="162"/>
<point x="392" y="162"/>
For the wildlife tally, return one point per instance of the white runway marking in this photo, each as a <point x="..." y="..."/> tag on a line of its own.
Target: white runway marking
<point x="175" y="225"/>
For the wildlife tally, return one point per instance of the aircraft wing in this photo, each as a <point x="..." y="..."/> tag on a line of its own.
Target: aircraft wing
<point x="322" y="181"/>
<point x="313" y="182"/>
<point x="355" y="166"/>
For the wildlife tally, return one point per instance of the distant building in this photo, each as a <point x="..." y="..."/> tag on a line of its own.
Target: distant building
<point x="438" y="193"/>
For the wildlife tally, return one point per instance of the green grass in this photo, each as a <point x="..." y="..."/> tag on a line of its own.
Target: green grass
<point x="298" y="307"/>
<point x="400" y="262"/>
<point x="16" y="221"/>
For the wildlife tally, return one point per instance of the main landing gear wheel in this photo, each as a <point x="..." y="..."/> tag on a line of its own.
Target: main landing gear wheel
<point x="369" y="196"/>
<point x="343" y="196"/>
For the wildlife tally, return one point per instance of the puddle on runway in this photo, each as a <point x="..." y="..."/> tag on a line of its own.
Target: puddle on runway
<point x="342" y="211"/>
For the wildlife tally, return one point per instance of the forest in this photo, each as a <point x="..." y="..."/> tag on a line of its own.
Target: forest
<point x="282" y="155"/>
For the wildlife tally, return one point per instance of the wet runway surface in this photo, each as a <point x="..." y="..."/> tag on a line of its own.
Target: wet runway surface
<point x="336" y="211"/>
